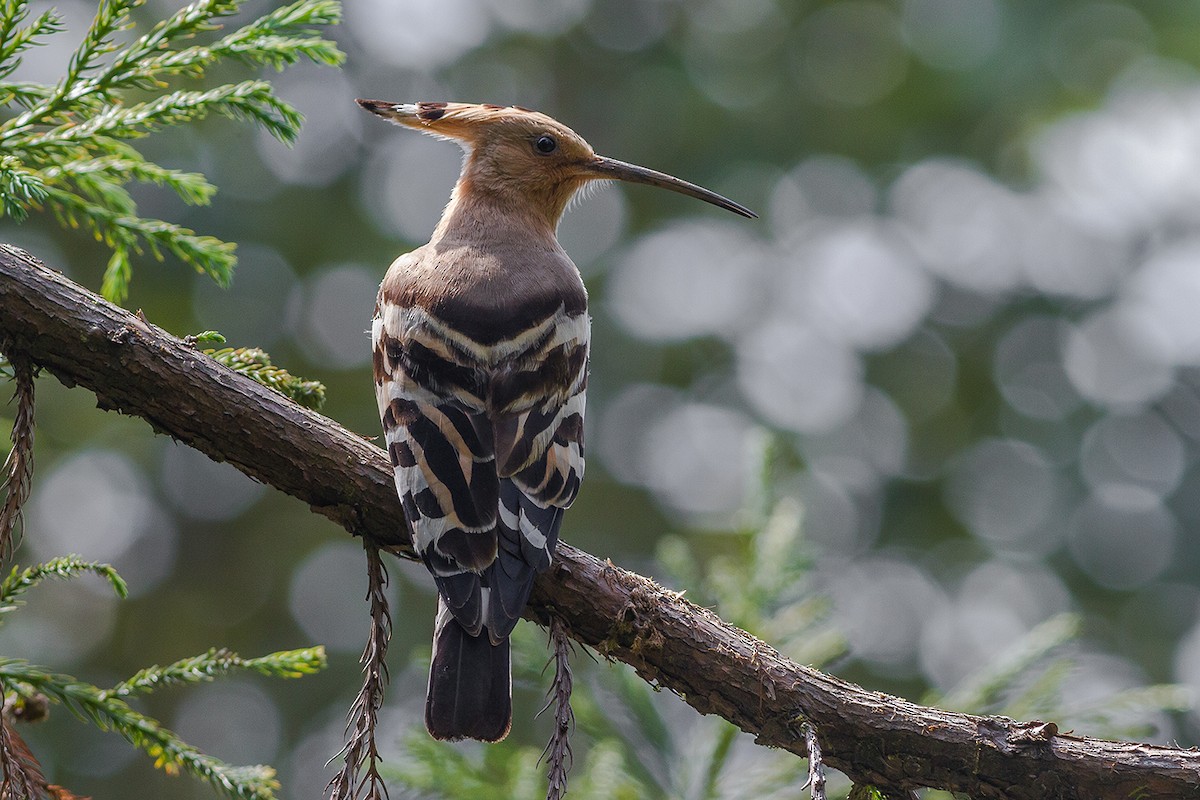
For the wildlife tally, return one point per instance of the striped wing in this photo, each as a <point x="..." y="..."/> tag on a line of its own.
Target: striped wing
<point x="534" y="491"/>
<point x="486" y="443"/>
<point x="445" y="474"/>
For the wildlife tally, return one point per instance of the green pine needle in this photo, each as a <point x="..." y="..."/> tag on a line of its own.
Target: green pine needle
<point x="126" y="165"/>
<point x="108" y="712"/>
<point x="205" y="337"/>
<point x="255" y="363"/>
<point x="20" y="581"/>
<point x="66" y="146"/>
<point x="983" y="691"/>
<point x="19" y="189"/>
<point x="15" y="40"/>
<point x="217" y="662"/>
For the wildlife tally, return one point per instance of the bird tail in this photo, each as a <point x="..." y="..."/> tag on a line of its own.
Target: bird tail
<point x="470" y="683"/>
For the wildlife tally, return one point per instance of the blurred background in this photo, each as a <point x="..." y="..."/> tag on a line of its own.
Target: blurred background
<point x="961" y="344"/>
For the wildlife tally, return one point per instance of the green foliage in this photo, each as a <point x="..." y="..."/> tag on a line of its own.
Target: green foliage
<point x="67" y="149"/>
<point x="255" y="363"/>
<point x="20" y="581"/>
<point x="205" y="337"/>
<point x="107" y="712"/>
<point x="865" y="793"/>
<point x="431" y="769"/>
<point x="64" y="145"/>
<point x="1029" y="682"/>
<point x="219" y="661"/>
<point x="671" y="752"/>
<point x="106" y="709"/>
<point x="435" y="770"/>
<point x="759" y="582"/>
<point x="986" y="690"/>
<point x="19" y="188"/>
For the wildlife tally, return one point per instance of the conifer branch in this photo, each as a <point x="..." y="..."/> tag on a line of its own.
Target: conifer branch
<point x="219" y="661"/>
<point x="717" y="668"/>
<point x="127" y="234"/>
<point x="64" y="150"/>
<point x="15" y="40"/>
<point x="108" y="712"/>
<point x="126" y="166"/>
<point x="20" y="188"/>
<point x="20" y="581"/>
<point x="29" y="689"/>
<point x="252" y="100"/>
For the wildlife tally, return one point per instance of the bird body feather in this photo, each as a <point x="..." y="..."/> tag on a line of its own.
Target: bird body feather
<point x="480" y="361"/>
<point x="481" y="358"/>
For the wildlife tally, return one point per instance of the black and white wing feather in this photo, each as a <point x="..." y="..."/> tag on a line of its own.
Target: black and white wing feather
<point x="486" y="443"/>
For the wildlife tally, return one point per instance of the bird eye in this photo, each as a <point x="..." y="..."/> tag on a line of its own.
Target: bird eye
<point x="545" y="145"/>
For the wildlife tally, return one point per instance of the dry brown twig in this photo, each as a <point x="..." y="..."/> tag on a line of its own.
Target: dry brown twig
<point x="558" y="753"/>
<point x="23" y="778"/>
<point x="18" y="467"/>
<point x="359" y="776"/>
<point x="816" y="769"/>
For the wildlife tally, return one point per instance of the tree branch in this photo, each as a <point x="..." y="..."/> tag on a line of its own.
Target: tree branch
<point x="136" y="368"/>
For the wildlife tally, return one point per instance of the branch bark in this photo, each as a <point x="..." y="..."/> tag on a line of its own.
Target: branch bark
<point x="136" y="368"/>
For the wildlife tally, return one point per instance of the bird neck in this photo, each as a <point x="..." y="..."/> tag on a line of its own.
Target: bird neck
<point x="482" y="209"/>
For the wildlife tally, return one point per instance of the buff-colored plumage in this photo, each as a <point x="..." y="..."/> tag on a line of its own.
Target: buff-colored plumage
<point x="480" y="357"/>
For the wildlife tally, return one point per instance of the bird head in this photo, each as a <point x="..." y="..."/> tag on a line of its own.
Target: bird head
<point x="522" y="156"/>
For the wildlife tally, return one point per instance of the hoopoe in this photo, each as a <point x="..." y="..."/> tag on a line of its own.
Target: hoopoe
<point x="480" y="344"/>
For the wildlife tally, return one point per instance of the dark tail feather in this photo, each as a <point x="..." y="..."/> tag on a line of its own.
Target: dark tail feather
<point x="470" y="684"/>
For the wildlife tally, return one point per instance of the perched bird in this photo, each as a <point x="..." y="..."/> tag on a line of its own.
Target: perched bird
<point x="481" y="359"/>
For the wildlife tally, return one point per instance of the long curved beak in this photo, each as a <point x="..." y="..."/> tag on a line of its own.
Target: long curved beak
<point x="610" y="168"/>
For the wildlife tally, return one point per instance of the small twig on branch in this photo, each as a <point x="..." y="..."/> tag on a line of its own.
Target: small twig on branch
<point x="715" y="667"/>
<point x="816" y="769"/>
<point x="23" y="778"/>
<point x="361" y="753"/>
<point x="558" y="753"/>
<point x="18" y="467"/>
